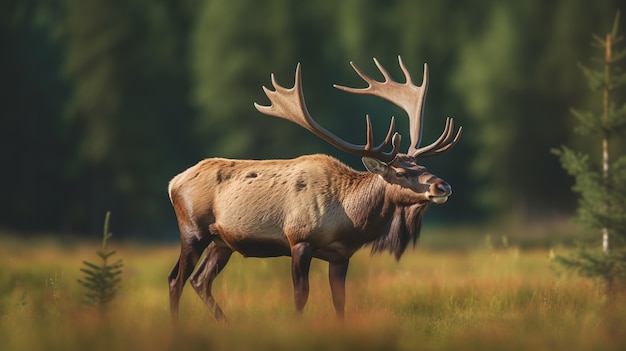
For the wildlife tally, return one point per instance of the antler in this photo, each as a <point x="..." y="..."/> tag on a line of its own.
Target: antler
<point x="442" y="144"/>
<point x="289" y="104"/>
<point x="411" y="99"/>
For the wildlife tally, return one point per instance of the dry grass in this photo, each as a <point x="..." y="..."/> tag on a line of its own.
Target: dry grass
<point x="496" y="299"/>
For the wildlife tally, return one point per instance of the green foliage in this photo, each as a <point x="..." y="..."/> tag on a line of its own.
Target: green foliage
<point x="230" y="59"/>
<point x="601" y="189"/>
<point x="117" y="60"/>
<point x="609" y="268"/>
<point x="107" y="100"/>
<point x="102" y="280"/>
<point x="490" y="74"/>
<point x="601" y="204"/>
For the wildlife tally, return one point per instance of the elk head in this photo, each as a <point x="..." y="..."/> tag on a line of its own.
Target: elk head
<point x="394" y="167"/>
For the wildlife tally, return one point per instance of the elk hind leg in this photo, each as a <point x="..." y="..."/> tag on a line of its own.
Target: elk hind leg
<point x="215" y="259"/>
<point x="191" y="248"/>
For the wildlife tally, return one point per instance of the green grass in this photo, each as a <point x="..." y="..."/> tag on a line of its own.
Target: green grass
<point x="492" y="296"/>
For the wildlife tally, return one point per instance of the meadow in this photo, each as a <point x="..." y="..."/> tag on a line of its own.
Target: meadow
<point x="480" y="291"/>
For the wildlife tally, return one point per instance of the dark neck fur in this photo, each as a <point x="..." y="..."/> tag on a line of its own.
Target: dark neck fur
<point x="403" y="226"/>
<point x="398" y="223"/>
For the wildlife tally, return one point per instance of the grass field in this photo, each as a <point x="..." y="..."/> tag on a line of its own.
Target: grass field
<point x="489" y="296"/>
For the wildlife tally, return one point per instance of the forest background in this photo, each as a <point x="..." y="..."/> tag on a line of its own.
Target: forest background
<point x="102" y="102"/>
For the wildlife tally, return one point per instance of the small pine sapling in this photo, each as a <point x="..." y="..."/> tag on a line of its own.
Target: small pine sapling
<point x="102" y="281"/>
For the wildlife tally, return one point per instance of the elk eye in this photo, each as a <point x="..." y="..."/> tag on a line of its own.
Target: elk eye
<point x="400" y="175"/>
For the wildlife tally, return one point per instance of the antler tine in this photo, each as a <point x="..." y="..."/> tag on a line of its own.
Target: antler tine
<point x="369" y="135"/>
<point x="395" y="142"/>
<point x="449" y="145"/>
<point x="444" y="137"/>
<point x="442" y="144"/>
<point x="384" y="72"/>
<point x="361" y="74"/>
<point x="415" y="120"/>
<point x="289" y="104"/>
<point x="407" y="74"/>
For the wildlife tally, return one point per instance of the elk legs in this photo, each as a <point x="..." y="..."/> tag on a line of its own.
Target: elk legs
<point x="215" y="259"/>
<point x="301" y="255"/>
<point x="190" y="250"/>
<point x="337" y="276"/>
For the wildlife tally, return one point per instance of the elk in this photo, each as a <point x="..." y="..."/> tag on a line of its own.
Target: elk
<point x="312" y="206"/>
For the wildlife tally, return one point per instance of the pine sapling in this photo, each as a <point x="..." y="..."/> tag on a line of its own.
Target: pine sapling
<point x="102" y="281"/>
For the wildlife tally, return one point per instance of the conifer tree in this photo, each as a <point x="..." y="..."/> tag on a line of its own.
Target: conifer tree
<point x="602" y="188"/>
<point x="102" y="280"/>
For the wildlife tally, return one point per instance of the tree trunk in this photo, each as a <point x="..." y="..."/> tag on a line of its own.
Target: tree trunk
<point x="606" y="134"/>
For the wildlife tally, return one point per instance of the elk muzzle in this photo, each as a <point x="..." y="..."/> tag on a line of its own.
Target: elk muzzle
<point x="439" y="191"/>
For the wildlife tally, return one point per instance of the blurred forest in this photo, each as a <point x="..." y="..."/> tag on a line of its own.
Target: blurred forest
<point x="104" y="101"/>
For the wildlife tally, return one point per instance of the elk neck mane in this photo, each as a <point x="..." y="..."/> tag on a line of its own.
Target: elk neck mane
<point x="384" y="210"/>
<point x="403" y="227"/>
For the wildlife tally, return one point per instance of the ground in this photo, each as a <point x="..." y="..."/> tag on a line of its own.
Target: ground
<point x="492" y="295"/>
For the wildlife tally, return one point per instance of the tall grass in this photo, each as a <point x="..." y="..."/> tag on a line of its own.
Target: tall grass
<point x="483" y="298"/>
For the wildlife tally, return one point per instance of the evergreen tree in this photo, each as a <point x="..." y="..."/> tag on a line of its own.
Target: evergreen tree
<point x="490" y="74"/>
<point x="125" y="118"/>
<point x="235" y="46"/>
<point x="602" y="189"/>
<point x="102" y="281"/>
<point x="125" y="102"/>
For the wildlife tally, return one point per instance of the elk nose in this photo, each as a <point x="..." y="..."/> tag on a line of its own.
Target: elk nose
<point x="444" y="188"/>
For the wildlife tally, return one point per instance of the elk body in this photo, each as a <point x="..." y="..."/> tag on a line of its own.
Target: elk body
<point x="309" y="207"/>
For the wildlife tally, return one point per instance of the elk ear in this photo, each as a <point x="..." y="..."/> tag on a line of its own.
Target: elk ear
<point x="375" y="166"/>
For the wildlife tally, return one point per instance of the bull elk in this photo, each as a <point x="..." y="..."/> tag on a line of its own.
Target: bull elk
<point x="312" y="206"/>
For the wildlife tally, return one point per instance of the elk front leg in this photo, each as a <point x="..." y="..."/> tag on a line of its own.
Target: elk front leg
<point x="337" y="276"/>
<point x="202" y="280"/>
<point x="301" y="255"/>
